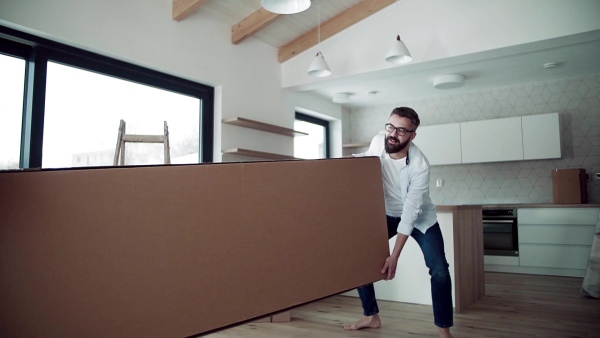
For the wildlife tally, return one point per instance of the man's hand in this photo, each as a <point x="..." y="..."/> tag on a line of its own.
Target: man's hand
<point x="389" y="268"/>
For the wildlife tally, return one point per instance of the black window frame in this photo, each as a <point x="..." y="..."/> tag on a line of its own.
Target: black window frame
<point x="37" y="51"/>
<point x="323" y="123"/>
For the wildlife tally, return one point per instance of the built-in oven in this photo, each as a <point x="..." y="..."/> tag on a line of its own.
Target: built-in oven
<point x="500" y="232"/>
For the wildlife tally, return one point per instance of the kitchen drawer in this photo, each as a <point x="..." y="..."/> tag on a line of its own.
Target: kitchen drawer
<point x="556" y="234"/>
<point x="587" y="216"/>
<point x="554" y="256"/>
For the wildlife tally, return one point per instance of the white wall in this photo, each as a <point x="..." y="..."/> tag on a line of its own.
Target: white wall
<point x="436" y="29"/>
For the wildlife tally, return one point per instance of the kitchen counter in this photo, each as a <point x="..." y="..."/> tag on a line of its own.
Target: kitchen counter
<point x="522" y="205"/>
<point x="462" y="229"/>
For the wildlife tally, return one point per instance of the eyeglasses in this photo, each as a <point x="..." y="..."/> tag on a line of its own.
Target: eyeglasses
<point x="399" y="130"/>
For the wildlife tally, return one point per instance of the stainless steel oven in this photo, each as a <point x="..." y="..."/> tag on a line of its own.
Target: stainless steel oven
<point x="500" y="232"/>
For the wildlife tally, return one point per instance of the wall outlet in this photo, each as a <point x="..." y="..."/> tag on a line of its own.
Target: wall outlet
<point x="439" y="183"/>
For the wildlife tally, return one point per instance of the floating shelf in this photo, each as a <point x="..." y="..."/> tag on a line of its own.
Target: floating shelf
<point x="242" y="122"/>
<point x="254" y="153"/>
<point x="356" y="145"/>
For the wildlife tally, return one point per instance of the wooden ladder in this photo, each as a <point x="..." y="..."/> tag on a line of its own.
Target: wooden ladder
<point x="122" y="138"/>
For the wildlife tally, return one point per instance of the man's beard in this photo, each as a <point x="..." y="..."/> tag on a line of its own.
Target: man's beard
<point x="394" y="148"/>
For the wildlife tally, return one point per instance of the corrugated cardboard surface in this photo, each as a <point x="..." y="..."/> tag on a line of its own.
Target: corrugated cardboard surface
<point x="176" y="251"/>
<point x="569" y="186"/>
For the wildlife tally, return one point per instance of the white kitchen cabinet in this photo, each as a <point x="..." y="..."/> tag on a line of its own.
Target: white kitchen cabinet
<point x="492" y="140"/>
<point x="556" y="240"/>
<point x="541" y="136"/>
<point x="440" y="143"/>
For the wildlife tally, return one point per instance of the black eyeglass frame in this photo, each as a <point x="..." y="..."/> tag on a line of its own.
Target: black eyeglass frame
<point x="399" y="130"/>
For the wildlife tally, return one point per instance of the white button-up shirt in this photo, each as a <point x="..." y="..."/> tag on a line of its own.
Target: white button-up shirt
<point x="405" y="186"/>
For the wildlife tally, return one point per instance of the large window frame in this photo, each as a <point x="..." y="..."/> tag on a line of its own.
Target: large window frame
<point x="323" y="123"/>
<point x="37" y="51"/>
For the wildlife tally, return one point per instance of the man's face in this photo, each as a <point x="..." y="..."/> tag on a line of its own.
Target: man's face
<point x="395" y="143"/>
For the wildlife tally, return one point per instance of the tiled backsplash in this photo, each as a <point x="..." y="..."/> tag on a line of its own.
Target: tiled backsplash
<point x="576" y="99"/>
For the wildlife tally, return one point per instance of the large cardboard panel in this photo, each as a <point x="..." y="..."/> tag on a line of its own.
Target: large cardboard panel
<point x="569" y="186"/>
<point x="178" y="251"/>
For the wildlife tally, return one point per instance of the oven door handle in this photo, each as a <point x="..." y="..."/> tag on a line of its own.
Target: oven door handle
<point x="499" y="221"/>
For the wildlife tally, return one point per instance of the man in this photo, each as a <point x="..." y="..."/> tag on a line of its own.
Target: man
<point x="409" y="212"/>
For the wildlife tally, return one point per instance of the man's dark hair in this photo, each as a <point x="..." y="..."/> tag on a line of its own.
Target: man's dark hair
<point x="409" y="113"/>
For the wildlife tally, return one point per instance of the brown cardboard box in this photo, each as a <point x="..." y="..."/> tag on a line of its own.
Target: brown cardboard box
<point x="569" y="186"/>
<point x="178" y="251"/>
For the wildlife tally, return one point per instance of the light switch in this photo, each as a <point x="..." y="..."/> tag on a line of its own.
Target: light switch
<point x="439" y="183"/>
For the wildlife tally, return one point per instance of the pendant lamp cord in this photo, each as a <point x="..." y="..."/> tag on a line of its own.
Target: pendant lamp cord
<point x="318" y="22"/>
<point x="398" y="17"/>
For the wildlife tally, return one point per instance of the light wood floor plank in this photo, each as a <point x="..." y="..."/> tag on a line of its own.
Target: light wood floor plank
<point x="514" y="306"/>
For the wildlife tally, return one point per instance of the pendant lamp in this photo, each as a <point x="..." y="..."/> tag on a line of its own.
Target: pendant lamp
<point x="318" y="66"/>
<point x="398" y="52"/>
<point x="285" y="6"/>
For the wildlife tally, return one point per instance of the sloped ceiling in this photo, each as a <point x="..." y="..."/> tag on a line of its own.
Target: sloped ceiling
<point x="293" y="34"/>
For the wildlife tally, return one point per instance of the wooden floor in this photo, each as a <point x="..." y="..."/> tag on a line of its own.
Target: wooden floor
<point x="514" y="305"/>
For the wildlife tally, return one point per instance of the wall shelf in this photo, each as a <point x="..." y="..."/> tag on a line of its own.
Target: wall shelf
<point x="356" y="145"/>
<point x="247" y="123"/>
<point x="254" y="153"/>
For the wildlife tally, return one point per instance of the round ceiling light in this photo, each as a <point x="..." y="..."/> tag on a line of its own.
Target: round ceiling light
<point x="341" y="98"/>
<point x="285" y="6"/>
<point x="448" y="81"/>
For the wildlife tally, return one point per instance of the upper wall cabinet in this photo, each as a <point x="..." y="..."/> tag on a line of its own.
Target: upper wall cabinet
<point x="440" y="143"/>
<point x="531" y="137"/>
<point x="492" y="140"/>
<point x="541" y="136"/>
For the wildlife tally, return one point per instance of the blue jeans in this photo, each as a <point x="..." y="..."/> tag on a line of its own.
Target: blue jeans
<point x="432" y="246"/>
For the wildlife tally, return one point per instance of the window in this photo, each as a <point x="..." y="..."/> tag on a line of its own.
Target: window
<point x="316" y="144"/>
<point x="71" y="103"/>
<point x="11" y="110"/>
<point x="83" y="111"/>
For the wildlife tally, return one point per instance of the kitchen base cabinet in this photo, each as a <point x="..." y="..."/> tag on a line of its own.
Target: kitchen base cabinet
<point x="555" y="256"/>
<point x="552" y="241"/>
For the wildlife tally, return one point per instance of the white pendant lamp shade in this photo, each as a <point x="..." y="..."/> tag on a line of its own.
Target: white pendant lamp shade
<point x="319" y="67"/>
<point x="285" y="6"/>
<point x="398" y="52"/>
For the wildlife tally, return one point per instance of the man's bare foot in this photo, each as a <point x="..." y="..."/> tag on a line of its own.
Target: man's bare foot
<point x="367" y="322"/>
<point x="444" y="332"/>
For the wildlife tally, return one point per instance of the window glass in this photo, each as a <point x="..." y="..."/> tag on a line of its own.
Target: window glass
<point x="83" y="112"/>
<point x="310" y="146"/>
<point x="12" y="77"/>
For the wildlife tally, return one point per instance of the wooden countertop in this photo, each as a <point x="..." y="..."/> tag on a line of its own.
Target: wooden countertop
<point x="524" y="205"/>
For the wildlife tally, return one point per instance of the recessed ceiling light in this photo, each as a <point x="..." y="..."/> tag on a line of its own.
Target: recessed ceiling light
<point x="550" y="65"/>
<point x="341" y="98"/>
<point x="448" y="81"/>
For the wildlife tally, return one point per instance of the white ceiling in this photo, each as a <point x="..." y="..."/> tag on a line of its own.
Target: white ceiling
<point x="576" y="55"/>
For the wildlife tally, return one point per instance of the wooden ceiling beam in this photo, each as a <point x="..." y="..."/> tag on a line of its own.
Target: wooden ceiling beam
<point x="183" y="8"/>
<point x="349" y="17"/>
<point x="252" y="24"/>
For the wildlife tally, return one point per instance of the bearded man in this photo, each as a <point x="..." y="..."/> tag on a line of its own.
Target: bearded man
<point x="409" y="212"/>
